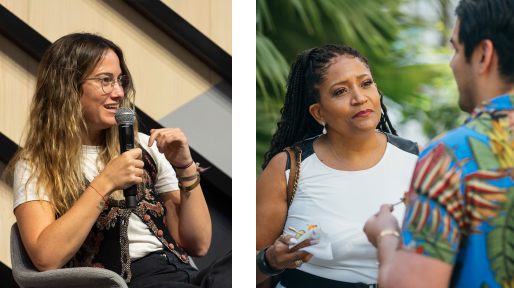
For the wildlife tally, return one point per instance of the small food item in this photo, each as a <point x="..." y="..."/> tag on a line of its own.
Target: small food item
<point x="298" y="233"/>
<point x="312" y="226"/>
<point x="404" y="198"/>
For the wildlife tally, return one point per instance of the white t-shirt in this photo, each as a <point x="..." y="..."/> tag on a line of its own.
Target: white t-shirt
<point x="141" y="240"/>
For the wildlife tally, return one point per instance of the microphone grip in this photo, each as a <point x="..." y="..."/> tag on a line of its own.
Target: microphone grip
<point x="130" y="196"/>
<point x="126" y="132"/>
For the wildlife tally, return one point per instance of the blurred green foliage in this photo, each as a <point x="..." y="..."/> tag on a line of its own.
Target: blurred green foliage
<point x="390" y="39"/>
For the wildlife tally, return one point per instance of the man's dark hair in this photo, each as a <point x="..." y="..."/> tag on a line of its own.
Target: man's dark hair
<point x="493" y="20"/>
<point x="307" y="73"/>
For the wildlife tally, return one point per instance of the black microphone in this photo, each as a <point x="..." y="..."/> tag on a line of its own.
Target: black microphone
<point x="125" y="118"/>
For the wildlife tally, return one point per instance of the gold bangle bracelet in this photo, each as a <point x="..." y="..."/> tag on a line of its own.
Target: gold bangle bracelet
<point x="387" y="232"/>
<point x="188" y="189"/>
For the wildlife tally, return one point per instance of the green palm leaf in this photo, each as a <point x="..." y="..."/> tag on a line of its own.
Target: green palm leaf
<point x="286" y="28"/>
<point x="500" y="242"/>
<point x="271" y="66"/>
<point x="357" y="23"/>
<point x="483" y="155"/>
<point x="434" y="244"/>
<point x="306" y="19"/>
<point x="263" y="16"/>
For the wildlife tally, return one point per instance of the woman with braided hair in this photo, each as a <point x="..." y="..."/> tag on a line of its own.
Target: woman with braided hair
<point x="350" y="162"/>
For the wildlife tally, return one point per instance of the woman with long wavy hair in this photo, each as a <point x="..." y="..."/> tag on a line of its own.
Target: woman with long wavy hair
<point x="71" y="162"/>
<point x="350" y="162"/>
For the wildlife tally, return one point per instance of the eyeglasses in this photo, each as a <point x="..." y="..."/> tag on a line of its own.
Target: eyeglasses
<point x="107" y="83"/>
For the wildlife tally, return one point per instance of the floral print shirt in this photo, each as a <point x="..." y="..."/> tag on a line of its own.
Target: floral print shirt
<point x="460" y="206"/>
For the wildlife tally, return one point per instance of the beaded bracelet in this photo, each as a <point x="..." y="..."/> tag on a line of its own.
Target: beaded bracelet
<point x="190" y="177"/>
<point x="264" y="266"/>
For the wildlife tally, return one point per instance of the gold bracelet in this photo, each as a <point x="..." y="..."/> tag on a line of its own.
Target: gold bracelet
<point x="387" y="232"/>
<point x="188" y="189"/>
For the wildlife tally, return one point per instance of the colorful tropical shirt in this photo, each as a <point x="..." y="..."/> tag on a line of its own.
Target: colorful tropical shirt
<point x="461" y="200"/>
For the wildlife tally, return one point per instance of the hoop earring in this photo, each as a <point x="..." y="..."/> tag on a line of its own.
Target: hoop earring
<point x="324" y="128"/>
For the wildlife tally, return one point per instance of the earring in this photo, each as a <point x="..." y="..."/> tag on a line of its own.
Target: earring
<point x="324" y="128"/>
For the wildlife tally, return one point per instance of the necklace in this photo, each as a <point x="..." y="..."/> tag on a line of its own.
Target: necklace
<point x="349" y="163"/>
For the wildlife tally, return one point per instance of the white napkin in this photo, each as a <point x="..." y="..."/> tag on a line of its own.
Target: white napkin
<point x="352" y="244"/>
<point x="322" y="250"/>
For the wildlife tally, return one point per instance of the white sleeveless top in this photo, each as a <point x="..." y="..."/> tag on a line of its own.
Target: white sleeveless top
<point x="340" y="203"/>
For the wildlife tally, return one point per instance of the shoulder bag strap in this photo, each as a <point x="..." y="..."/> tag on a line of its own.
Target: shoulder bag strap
<point x="292" y="185"/>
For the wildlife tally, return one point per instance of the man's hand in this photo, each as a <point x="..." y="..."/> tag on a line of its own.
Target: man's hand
<point x="379" y="222"/>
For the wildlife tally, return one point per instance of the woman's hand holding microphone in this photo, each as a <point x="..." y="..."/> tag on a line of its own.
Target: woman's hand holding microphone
<point x="121" y="172"/>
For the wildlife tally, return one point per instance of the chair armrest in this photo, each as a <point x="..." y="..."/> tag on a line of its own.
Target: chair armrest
<point x="73" y="277"/>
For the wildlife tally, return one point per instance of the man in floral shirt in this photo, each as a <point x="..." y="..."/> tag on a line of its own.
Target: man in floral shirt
<point x="458" y="229"/>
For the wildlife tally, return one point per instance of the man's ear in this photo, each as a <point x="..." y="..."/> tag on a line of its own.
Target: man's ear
<point x="317" y="112"/>
<point x="485" y="50"/>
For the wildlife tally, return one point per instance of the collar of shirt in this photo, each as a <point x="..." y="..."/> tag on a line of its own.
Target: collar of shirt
<point x="502" y="102"/>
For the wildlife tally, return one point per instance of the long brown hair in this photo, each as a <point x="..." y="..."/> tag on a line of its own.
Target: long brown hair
<point x="56" y="123"/>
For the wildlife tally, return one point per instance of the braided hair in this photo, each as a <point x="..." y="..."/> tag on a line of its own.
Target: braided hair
<point x="307" y="73"/>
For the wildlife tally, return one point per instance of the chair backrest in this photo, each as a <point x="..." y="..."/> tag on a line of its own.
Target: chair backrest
<point x="27" y="275"/>
<point x="20" y="259"/>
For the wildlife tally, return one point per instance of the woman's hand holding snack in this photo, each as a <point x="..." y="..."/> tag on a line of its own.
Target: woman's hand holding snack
<point x="280" y="256"/>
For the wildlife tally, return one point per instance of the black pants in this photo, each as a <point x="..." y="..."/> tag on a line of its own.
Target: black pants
<point x="163" y="269"/>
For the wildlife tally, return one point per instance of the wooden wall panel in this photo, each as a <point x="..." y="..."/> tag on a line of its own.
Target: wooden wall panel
<point x="7" y="219"/>
<point x="17" y="82"/>
<point x="18" y="7"/>
<point x="211" y="17"/>
<point x="196" y="12"/>
<point x="221" y="24"/>
<point x="166" y="75"/>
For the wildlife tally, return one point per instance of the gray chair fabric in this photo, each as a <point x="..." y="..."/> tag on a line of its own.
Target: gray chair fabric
<point x="26" y="274"/>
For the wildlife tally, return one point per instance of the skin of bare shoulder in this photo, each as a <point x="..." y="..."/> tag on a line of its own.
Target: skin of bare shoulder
<point x="271" y="201"/>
